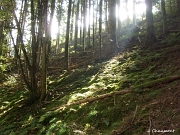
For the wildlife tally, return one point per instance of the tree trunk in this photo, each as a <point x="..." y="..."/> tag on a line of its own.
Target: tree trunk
<point x="127" y="12"/>
<point x="72" y="23"/>
<point x="89" y="26"/>
<point x="59" y="15"/>
<point x="76" y="27"/>
<point x="67" y="37"/>
<point x="163" y="9"/>
<point x="178" y="6"/>
<point x="100" y="28"/>
<point x="50" y="25"/>
<point x="45" y="50"/>
<point x="93" y="31"/>
<point x="119" y="20"/>
<point x="170" y="6"/>
<point x="150" y="38"/>
<point x="106" y="15"/>
<point x="84" y="24"/>
<point x="134" y="13"/>
<point x="34" y="54"/>
<point x="112" y="24"/>
<point x="1" y="36"/>
<point x="96" y="26"/>
<point x="81" y="27"/>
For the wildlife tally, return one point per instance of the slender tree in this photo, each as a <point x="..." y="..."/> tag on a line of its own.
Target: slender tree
<point x="72" y="22"/>
<point x="84" y="24"/>
<point x="163" y="9"/>
<point x="36" y="59"/>
<point x="59" y="17"/>
<point x="1" y="36"/>
<point x="150" y="38"/>
<point x="81" y="27"/>
<point x="170" y="6"/>
<point x="100" y="27"/>
<point x="93" y="30"/>
<point x="178" y="6"/>
<point x="134" y="13"/>
<point x="127" y="12"/>
<point x="67" y="36"/>
<point x="106" y="14"/>
<point x="112" y="24"/>
<point x="96" y="23"/>
<point x="89" y="26"/>
<point x="119" y="21"/>
<point x="76" y="26"/>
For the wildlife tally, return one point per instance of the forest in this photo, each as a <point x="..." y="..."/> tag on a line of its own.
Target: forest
<point x="89" y="67"/>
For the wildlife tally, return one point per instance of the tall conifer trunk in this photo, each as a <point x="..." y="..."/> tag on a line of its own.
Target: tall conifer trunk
<point x="112" y="24"/>
<point x="163" y="9"/>
<point x="76" y="27"/>
<point x="150" y="37"/>
<point x="67" y="37"/>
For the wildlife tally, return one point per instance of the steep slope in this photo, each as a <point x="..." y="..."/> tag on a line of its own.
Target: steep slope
<point x="89" y="101"/>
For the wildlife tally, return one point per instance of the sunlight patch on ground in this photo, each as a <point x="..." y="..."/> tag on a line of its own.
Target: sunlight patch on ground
<point x="106" y="79"/>
<point x="79" y="96"/>
<point x="10" y="80"/>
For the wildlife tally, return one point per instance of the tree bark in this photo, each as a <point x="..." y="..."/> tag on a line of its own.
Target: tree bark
<point x="164" y="16"/>
<point x="76" y="27"/>
<point x="89" y="26"/>
<point x="59" y="14"/>
<point x="84" y="24"/>
<point x="72" y="23"/>
<point x="100" y="28"/>
<point x="112" y="24"/>
<point x="1" y="36"/>
<point x="45" y="50"/>
<point x="67" y="37"/>
<point x="93" y="47"/>
<point x="150" y="37"/>
<point x="178" y="6"/>
<point x="106" y="15"/>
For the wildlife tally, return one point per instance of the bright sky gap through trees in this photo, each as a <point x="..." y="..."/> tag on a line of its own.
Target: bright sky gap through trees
<point x="140" y="10"/>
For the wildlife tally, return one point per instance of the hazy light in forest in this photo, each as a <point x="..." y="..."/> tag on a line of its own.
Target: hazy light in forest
<point x="54" y="27"/>
<point x="139" y="9"/>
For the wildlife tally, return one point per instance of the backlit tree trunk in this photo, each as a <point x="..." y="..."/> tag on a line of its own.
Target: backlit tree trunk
<point x="150" y="37"/>
<point x="100" y="27"/>
<point x="89" y="26"/>
<point x="112" y="24"/>
<point x="84" y="24"/>
<point x="76" y="27"/>
<point x="127" y="12"/>
<point x="67" y="37"/>
<point x="106" y="13"/>
<point x="134" y="13"/>
<point x="119" y="21"/>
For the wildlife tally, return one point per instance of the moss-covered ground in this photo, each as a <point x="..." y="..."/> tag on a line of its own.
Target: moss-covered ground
<point x="151" y="73"/>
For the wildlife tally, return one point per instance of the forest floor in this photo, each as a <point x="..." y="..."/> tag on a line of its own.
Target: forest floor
<point x="134" y="93"/>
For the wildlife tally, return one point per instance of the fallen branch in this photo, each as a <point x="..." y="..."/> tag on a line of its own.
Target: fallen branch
<point x="158" y="82"/>
<point x="88" y="100"/>
<point x="121" y="92"/>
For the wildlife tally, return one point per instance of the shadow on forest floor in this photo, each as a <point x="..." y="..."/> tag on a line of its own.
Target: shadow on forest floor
<point x="85" y="100"/>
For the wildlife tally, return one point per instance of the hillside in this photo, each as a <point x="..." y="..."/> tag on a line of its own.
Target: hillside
<point x="131" y="93"/>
